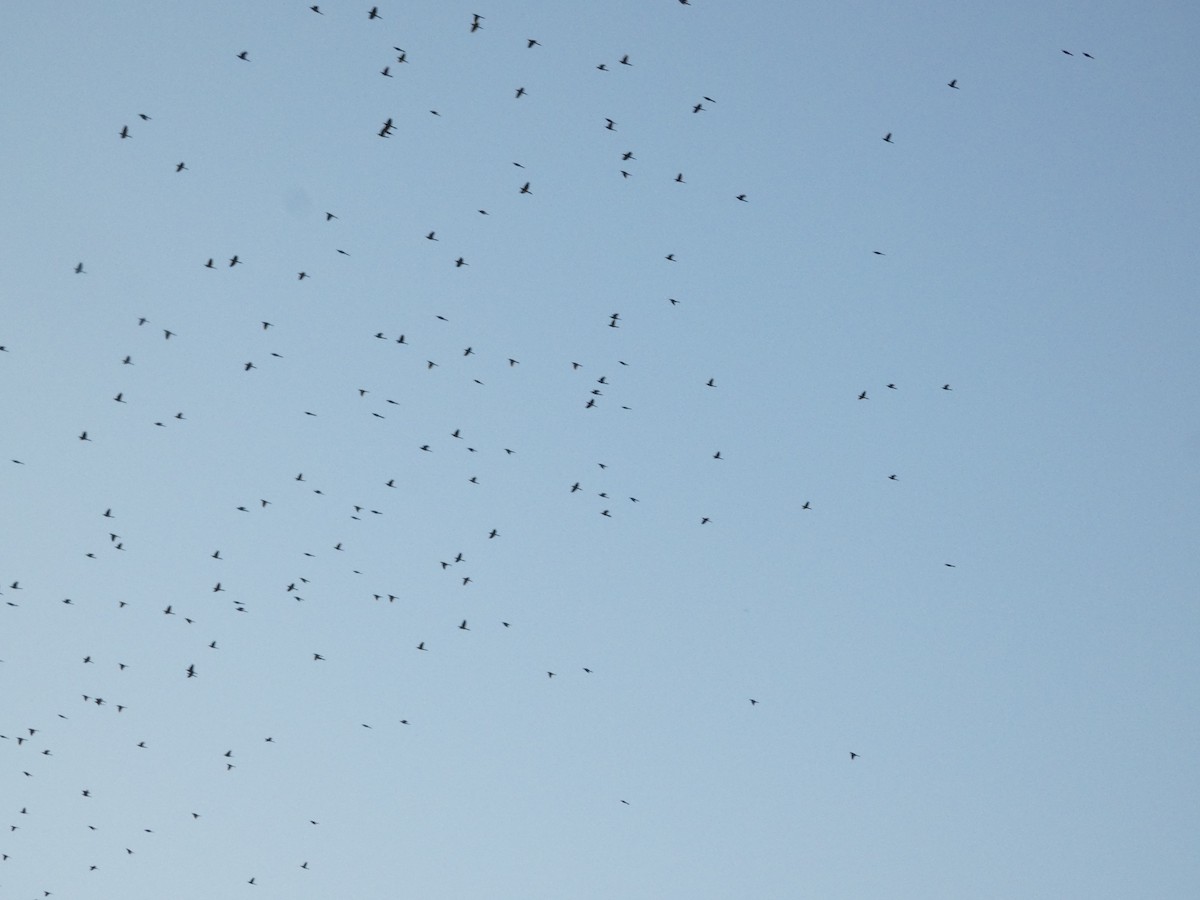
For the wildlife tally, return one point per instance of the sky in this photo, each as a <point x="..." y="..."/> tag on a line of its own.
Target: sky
<point x="880" y="576"/>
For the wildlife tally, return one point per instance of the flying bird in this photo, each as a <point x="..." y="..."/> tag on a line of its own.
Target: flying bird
<point x="888" y="138"/>
<point x="386" y="130"/>
<point x="79" y="269"/>
<point x="245" y="55"/>
<point x="124" y="131"/>
<point x="953" y="83"/>
<point x="374" y="13"/>
<point x="179" y="167"/>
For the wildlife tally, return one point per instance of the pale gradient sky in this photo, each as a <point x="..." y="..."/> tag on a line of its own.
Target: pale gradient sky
<point x="1025" y="720"/>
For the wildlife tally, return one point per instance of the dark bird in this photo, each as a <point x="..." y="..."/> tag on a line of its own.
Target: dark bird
<point x="624" y="60"/>
<point x="863" y="396"/>
<point x="946" y="387"/>
<point x="386" y="130"/>
<point x="950" y="565"/>
<point x="611" y="125"/>
<point x="717" y="455"/>
<point x="317" y="10"/>
<point x="670" y="257"/>
<point x="520" y="93"/>
<point x="124" y="131"/>
<point x="878" y="252"/>
<point x="430" y="236"/>
<point x="893" y="478"/>
<point x="712" y="382"/>
<point x="180" y="167"/>
<point x="421" y="646"/>
<point x="234" y="261"/>
<point x="317" y="656"/>
<point x="79" y="269"/>
<point x="753" y="702"/>
<point x="245" y="54"/>
<point x="209" y="264"/>
<point x="191" y="671"/>
<point x="460" y="262"/>
<point x="953" y="83"/>
<point x="679" y="178"/>
<point x="698" y="107"/>
<point x="493" y="533"/>
<point x="1089" y="56"/>
<point x="705" y="520"/>
<point x="853" y="755"/>
<point x="374" y="13"/>
<point x="384" y="71"/>
<point x="742" y="197"/>
<point x="525" y="188"/>
<point x="463" y="626"/>
<point x="893" y="387"/>
<point x="531" y="43"/>
<point x="84" y="436"/>
<point x="602" y="67"/>
<point x="807" y="505"/>
<point x="1068" y="52"/>
<point x="888" y="137"/>
<point x="118" y="398"/>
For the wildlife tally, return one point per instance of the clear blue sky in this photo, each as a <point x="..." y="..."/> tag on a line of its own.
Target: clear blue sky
<point x="1025" y="717"/>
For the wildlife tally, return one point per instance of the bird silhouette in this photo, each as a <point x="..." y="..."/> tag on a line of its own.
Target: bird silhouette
<point x="888" y="137"/>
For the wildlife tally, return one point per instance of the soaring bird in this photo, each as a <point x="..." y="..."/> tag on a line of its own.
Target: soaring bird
<point x="952" y="83"/>
<point x="384" y="71"/>
<point x="79" y="269"/>
<point x="520" y="93"/>
<point x="124" y="131"/>
<point x="611" y="125"/>
<point x="863" y="396"/>
<point x="463" y="626"/>
<point x="179" y="167"/>
<point x="244" y="55"/>
<point x="624" y="60"/>
<point x="525" y="188"/>
<point x="460" y="262"/>
<point x="888" y="137"/>
<point x="386" y="130"/>
<point x="853" y="755"/>
<point x="532" y="43"/>
<point x="374" y="13"/>
<point x="191" y="671"/>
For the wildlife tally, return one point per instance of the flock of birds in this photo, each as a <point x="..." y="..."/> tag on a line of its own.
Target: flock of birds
<point x="31" y="747"/>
